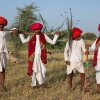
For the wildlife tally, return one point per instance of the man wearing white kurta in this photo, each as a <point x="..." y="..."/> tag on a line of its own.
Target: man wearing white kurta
<point x="73" y="56"/>
<point x="97" y="66"/>
<point x="38" y="68"/>
<point x="3" y="51"/>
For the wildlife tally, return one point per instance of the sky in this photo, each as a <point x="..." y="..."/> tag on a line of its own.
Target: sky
<point x="87" y="11"/>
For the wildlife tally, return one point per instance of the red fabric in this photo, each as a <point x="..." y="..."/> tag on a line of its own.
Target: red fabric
<point x="96" y="53"/>
<point x="36" y="26"/>
<point x="31" y="50"/>
<point x="76" y="32"/>
<point x="99" y="28"/>
<point x="3" y="21"/>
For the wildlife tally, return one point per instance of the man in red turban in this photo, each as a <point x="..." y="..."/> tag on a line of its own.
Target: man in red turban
<point x="96" y="60"/>
<point x="73" y="57"/>
<point x="37" y="53"/>
<point x="3" y="52"/>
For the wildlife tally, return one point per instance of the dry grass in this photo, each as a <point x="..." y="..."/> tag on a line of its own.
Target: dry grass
<point x="19" y="84"/>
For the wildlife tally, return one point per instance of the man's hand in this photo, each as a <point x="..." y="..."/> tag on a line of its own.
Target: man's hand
<point x="87" y="46"/>
<point x="86" y="52"/>
<point x="14" y="31"/>
<point x="31" y="57"/>
<point x="87" y="49"/>
<point x="67" y="62"/>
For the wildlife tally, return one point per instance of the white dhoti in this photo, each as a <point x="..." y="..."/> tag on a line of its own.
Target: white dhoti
<point x="3" y="61"/>
<point x="97" y="68"/>
<point x="39" y="71"/>
<point x="75" y="66"/>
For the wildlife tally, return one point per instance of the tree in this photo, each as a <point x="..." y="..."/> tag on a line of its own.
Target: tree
<point x="66" y="34"/>
<point x="26" y="16"/>
<point x="89" y="36"/>
<point x="70" y="24"/>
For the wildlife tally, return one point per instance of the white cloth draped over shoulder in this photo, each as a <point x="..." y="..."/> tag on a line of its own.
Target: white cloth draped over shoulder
<point x="39" y="69"/>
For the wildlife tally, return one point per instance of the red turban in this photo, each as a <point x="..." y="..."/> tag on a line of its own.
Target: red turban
<point x="36" y="26"/>
<point x="76" y="32"/>
<point x="99" y="28"/>
<point x="3" y="21"/>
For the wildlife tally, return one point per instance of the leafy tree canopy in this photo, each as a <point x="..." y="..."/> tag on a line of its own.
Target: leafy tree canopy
<point x="26" y="16"/>
<point x="89" y="36"/>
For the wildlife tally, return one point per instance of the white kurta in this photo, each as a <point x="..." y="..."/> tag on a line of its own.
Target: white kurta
<point x="3" y="37"/>
<point x="92" y="48"/>
<point x="97" y="67"/>
<point x="39" y="69"/>
<point x="75" y="56"/>
<point x="3" y="50"/>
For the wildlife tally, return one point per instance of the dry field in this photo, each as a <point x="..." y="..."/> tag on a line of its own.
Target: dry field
<point x="19" y="84"/>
